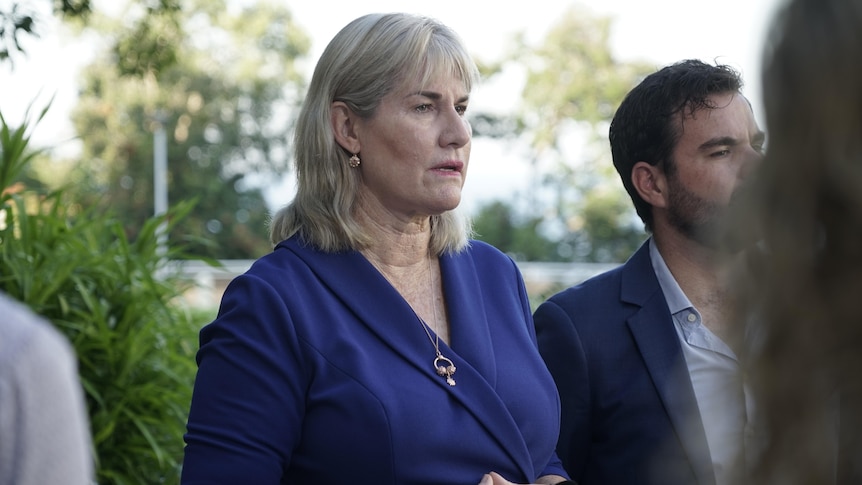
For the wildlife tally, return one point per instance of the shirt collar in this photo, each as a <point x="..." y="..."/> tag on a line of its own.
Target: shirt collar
<point x="676" y="299"/>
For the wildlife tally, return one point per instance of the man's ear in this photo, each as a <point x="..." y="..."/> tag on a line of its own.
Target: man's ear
<point x="650" y="183"/>
<point x="343" y="122"/>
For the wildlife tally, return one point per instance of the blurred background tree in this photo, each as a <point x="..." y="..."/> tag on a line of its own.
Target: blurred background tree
<point x="18" y="20"/>
<point x="220" y="78"/>
<point x="223" y="85"/>
<point x="118" y="302"/>
<point x="516" y="234"/>
<point x="576" y="201"/>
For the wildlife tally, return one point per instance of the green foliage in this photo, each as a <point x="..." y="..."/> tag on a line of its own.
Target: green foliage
<point x="572" y="89"/>
<point x="613" y="232"/>
<point x="498" y="224"/>
<point x="14" y="156"/>
<point x="203" y="139"/>
<point x="116" y="301"/>
<point x="72" y="8"/>
<point x="151" y="46"/>
<point x="573" y="76"/>
<point x="19" y="20"/>
<point x="604" y="229"/>
<point x="594" y="213"/>
<point x="13" y="23"/>
<point x="223" y="86"/>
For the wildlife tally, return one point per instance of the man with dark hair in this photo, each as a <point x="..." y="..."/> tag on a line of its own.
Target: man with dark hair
<point x="643" y="355"/>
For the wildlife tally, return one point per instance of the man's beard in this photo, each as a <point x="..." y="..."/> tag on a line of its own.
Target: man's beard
<point x="693" y="216"/>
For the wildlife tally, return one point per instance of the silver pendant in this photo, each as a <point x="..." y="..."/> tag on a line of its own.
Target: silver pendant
<point x="445" y="368"/>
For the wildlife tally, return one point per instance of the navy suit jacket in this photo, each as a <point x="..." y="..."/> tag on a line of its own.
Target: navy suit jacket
<point x="629" y="411"/>
<point x="316" y="370"/>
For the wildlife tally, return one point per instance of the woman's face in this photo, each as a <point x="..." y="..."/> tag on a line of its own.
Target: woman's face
<point x="415" y="149"/>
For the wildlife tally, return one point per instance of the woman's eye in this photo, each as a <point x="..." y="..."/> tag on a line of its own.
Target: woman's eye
<point x="461" y="109"/>
<point x="422" y="108"/>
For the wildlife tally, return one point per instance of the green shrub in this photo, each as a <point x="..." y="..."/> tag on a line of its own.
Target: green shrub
<point x="117" y="302"/>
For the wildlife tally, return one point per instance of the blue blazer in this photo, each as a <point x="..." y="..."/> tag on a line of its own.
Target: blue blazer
<point x="316" y="370"/>
<point x="629" y="411"/>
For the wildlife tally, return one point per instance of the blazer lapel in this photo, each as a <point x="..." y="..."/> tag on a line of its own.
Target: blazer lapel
<point x="658" y="343"/>
<point x="471" y="337"/>
<point x="362" y="289"/>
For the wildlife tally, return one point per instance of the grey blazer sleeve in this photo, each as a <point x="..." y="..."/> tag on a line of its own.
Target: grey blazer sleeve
<point x="44" y="429"/>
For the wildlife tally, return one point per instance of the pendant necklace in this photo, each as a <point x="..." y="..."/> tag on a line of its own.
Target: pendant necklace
<point x="444" y="367"/>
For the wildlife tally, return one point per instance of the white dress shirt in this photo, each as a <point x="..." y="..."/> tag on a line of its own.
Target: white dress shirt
<point x="722" y="397"/>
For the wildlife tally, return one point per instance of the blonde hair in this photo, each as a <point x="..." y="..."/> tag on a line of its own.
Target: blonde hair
<point x="369" y="58"/>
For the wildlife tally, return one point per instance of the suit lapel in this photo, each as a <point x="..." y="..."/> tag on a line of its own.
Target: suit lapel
<point x="362" y="289"/>
<point x="658" y="343"/>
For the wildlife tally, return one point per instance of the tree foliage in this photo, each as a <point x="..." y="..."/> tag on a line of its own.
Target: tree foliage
<point x="574" y="76"/>
<point x="222" y="86"/>
<point x="19" y="20"/>
<point x="116" y="301"/>
<point x="521" y="238"/>
<point x="573" y="86"/>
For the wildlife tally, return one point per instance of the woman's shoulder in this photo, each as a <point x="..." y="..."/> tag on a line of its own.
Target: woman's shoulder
<point x="289" y="252"/>
<point x="286" y="258"/>
<point x="297" y="261"/>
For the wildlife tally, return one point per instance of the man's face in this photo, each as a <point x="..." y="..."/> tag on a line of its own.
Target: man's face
<point x="715" y="152"/>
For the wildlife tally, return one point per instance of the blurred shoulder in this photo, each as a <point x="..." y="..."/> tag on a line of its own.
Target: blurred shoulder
<point x="21" y="328"/>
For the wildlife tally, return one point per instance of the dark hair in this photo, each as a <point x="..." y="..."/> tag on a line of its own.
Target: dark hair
<point x="645" y="126"/>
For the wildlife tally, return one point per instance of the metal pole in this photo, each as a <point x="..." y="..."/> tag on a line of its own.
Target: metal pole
<point x="160" y="180"/>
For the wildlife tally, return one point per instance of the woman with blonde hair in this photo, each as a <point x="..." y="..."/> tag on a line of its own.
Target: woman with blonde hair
<point x="377" y="343"/>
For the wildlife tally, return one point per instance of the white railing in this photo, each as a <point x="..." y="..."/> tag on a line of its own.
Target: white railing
<point x="210" y="282"/>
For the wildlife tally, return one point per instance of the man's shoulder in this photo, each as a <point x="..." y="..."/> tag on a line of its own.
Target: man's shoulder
<point x="637" y="269"/>
<point x="593" y="288"/>
<point x="610" y="295"/>
<point x="593" y="309"/>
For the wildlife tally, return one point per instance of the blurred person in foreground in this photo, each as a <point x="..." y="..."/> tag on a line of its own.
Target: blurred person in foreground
<point x="376" y="343"/>
<point x="648" y="375"/>
<point x="44" y="428"/>
<point x="804" y="209"/>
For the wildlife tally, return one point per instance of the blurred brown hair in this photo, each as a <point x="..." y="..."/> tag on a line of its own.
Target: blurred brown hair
<point x="804" y="298"/>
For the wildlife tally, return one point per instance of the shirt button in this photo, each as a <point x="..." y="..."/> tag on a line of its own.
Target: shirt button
<point x="692" y="317"/>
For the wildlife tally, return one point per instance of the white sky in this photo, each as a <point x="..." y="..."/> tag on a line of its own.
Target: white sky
<point x="656" y="31"/>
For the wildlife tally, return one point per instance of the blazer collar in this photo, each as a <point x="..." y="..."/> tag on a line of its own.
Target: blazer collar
<point x="658" y="343"/>
<point x="378" y="306"/>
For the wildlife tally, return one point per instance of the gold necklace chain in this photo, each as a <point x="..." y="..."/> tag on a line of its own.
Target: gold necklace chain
<point x="444" y="367"/>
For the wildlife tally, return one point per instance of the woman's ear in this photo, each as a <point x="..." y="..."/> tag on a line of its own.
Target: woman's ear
<point x="343" y="122"/>
<point x="650" y="183"/>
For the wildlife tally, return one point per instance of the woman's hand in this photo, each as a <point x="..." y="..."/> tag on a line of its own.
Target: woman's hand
<point x="494" y="478"/>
